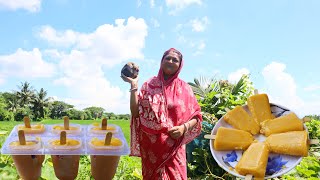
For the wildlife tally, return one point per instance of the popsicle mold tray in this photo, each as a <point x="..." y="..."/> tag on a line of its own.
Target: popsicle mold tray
<point x="80" y="140"/>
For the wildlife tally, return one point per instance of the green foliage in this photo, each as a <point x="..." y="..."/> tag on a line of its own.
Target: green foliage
<point x="7" y="168"/>
<point x="129" y="168"/>
<point x="25" y="111"/>
<point x="94" y="112"/>
<point x="219" y="95"/>
<point x="313" y="128"/>
<point x="84" y="172"/>
<point x="214" y="97"/>
<point x="39" y="103"/>
<point x="76" y="114"/>
<point x="4" y="114"/>
<point x="58" y="109"/>
<point x="309" y="168"/>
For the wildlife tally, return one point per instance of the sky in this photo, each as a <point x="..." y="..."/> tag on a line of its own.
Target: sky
<point x="75" y="49"/>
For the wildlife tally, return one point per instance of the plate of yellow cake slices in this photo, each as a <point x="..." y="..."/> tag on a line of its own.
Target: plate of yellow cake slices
<point x="260" y="139"/>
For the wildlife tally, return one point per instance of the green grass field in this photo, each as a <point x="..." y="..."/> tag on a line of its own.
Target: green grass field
<point x="129" y="167"/>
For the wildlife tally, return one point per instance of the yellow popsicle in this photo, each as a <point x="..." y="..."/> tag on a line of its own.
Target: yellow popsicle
<point x="259" y="107"/>
<point x="254" y="160"/>
<point x="59" y="127"/>
<point x="34" y="129"/>
<point x="69" y="142"/>
<point x="291" y="143"/>
<point x="232" y="139"/>
<point x="114" y="142"/>
<point x="289" y="122"/>
<point x="240" y="119"/>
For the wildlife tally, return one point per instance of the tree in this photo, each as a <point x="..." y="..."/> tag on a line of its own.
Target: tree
<point x="39" y="102"/>
<point x="4" y="114"/>
<point x="11" y="101"/>
<point x="58" y="109"/>
<point x="95" y="112"/>
<point x="25" y="94"/>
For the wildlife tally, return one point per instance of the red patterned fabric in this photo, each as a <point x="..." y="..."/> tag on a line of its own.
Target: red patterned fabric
<point x="163" y="105"/>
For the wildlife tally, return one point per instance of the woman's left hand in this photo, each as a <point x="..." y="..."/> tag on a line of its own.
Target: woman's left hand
<point x="176" y="132"/>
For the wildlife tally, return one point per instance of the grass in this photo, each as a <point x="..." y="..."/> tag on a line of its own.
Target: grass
<point x="127" y="165"/>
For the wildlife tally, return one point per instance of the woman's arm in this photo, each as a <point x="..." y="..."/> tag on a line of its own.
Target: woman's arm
<point x="190" y="124"/>
<point x="134" y="107"/>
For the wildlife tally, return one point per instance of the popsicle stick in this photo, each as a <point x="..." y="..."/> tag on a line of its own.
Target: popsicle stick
<point x="255" y="92"/>
<point x="248" y="177"/>
<point x="314" y="141"/>
<point x="107" y="140"/>
<point x="66" y="122"/>
<point x="26" y="121"/>
<point x="22" y="138"/>
<point x="63" y="138"/>
<point x="209" y="136"/>
<point x="104" y="124"/>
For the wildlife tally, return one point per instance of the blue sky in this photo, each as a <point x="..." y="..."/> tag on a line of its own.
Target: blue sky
<point x="75" y="49"/>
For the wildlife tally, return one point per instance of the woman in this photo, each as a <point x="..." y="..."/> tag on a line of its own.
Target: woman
<point x="165" y="117"/>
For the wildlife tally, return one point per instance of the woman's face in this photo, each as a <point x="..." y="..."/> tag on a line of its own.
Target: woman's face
<point x="170" y="63"/>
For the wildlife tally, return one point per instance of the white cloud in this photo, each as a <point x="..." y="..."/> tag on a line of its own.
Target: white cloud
<point x="82" y="70"/>
<point x="65" y="38"/>
<point x="234" y="77"/>
<point x="108" y="44"/>
<point x="199" y="25"/>
<point x="178" y="5"/>
<point x="155" y="22"/>
<point x="29" y="5"/>
<point x="312" y="88"/>
<point x="152" y="3"/>
<point x="25" y="64"/>
<point x="282" y="89"/>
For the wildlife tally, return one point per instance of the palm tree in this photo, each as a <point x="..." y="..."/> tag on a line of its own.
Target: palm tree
<point x="203" y="86"/>
<point x="13" y="105"/>
<point x="26" y="94"/>
<point x="39" y="102"/>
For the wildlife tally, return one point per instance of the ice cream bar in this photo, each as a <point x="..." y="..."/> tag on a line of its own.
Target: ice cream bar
<point x="291" y="143"/>
<point x="289" y="122"/>
<point x="254" y="160"/>
<point x="70" y="144"/>
<point x="31" y="129"/>
<point x="259" y="107"/>
<point x="96" y="128"/>
<point x="240" y="119"/>
<point x="108" y="142"/>
<point x="69" y="128"/>
<point x="232" y="139"/>
<point x="22" y="144"/>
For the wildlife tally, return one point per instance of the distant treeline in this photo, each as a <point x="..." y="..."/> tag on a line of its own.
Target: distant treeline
<point x="35" y="104"/>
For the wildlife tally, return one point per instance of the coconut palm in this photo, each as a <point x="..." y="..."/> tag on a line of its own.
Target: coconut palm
<point x="39" y="102"/>
<point x="25" y="94"/>
<point x="13" y="105"/>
